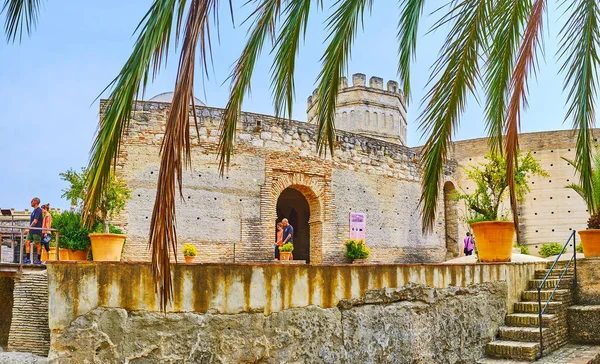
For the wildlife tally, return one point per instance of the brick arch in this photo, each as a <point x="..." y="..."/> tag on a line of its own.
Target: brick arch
<point x="313" y="191"/>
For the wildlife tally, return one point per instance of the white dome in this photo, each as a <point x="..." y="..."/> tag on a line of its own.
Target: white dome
<point x="168" y="97"/>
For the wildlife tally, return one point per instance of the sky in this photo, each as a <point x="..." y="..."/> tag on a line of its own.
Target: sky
<point x="49" y="83"/>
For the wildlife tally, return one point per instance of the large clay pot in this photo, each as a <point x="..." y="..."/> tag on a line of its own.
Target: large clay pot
<point x="285" y="255"/>
<point x="189" y="259"/>
<point x="107" y="247"/>
<point x="49" y="257"/>
<point x="78" y="254"/>
<point x="494" y="240"/>
<point x="590" y="241"/>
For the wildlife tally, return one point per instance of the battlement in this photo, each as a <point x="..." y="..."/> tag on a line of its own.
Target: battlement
<point x="367" y="110"/>
<point x="359" y="81"/>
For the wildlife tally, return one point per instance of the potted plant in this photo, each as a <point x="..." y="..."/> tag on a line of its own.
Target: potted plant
<point x="492" y="229"/>
<point x="357" y="251"/>
<point x="590" y="238"/>
<point x="73" y="234"/>
<point x="189" y="252"/>
<point x="285" y="251"/>
<point x="106" y="245"/>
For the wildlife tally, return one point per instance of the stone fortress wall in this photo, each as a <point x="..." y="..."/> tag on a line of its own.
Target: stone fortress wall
<point x="550" y="212"/>
<point x="232" y="218"/>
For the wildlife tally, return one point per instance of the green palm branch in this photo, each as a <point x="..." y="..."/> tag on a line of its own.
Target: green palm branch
<point x="592" y="200"/>
<point x="21" y="17"/>
<point x="492" y="44"/>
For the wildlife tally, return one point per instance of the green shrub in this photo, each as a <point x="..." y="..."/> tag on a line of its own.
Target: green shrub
<point x="550" y="249"/>
<point x="286" y="248"/>
<point x="356" y="249"/>
<point x="189" y="250"/>
<point x="72" y="234"/>
<point x="579" y="248"/>
<point x="524" y="249"/>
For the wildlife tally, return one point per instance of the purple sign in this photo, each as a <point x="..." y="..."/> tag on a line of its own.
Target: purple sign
<point x="357" y="225"/>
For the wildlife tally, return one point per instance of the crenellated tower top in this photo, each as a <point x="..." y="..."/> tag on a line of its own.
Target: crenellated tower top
<point x="372" y="111"/>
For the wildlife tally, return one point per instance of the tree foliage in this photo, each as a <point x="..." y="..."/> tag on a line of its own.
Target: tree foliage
<point x="113" y="199"/>
<point x="492" y="183"/>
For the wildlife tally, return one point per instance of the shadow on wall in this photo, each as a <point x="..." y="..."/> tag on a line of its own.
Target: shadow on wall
<point x="7" y="286"/>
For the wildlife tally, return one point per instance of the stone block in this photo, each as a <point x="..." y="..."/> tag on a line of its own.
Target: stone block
<point x="584" y="324"/>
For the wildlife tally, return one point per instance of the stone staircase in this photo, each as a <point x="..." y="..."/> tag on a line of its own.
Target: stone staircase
<point x="519" y="338"/>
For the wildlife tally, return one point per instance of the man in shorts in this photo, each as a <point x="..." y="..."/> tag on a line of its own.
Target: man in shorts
<point x="34" y="235"/>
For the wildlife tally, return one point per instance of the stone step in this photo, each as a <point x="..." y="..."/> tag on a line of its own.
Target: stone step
<point x="525" y="334"/>
<point x="550" y="283"/>
<point x="560" y="295"/>
<point x="528" y="320"/>
<point x="561" y="263"/>
<point x="541" y="273"/>
<point x="515" y="350"/>
<point x="533" y="307"/>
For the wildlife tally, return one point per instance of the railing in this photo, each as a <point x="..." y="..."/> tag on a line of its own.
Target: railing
<point x="574" y="260"/>
<point x="31" y="245"/>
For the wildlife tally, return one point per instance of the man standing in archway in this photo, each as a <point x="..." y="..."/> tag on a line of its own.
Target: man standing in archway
<point x="288" y="232"/>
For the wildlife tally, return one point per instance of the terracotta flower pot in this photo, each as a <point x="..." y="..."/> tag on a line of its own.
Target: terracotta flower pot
<point x="78" y="254"/>
<point x="189" y="259"/>
<point x="494" y="240"/>
<point x="590" y="241"/>
<point x="107" y="247"/>
<point x="49" y="257"/>
<point x="285" y="255"/>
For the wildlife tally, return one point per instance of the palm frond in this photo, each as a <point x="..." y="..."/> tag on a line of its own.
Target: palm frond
<point x="524" y="64"/>
<point x="458" y="68"/>
<point x="149" y="51"/>
<point x="284" y="63"/>
<point x="408" y="27"/>
<point x="508" y="21"/>
<point x="175" y="151"/>
<point x="579" y="44"/>
<point x="342" y="26"/>
<point x="21" y="17"/>
<point x="266" y="15"/>
<point x="577" y="188"/>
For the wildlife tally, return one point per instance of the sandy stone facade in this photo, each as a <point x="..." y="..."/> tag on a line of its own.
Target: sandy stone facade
<point x="232" y="218"/>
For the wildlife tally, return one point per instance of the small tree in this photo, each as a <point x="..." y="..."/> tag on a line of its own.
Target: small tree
<point x="592" y="199"/>
<point x="113" y="199"/>
<point x="484" y="203"/>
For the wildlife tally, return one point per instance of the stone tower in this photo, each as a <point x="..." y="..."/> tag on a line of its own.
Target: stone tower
<point x="370" y="111"/>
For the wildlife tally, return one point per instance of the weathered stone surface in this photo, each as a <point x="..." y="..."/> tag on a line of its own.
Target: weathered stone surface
<point x="588" y="281"/>
<point x="413" y="324"/>
<point x="584" y="324"/>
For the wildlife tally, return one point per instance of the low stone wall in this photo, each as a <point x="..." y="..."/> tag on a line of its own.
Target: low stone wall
<point x="266" y="288"/>
<point x="584" y="324"/>
<point x="29" y="330"/>
<point x="588" y="281"/>
<point x="414" y="324"/>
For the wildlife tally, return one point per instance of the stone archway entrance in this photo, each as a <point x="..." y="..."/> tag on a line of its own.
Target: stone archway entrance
<point x="292" y="205"/>
<point x="451" y="217"/>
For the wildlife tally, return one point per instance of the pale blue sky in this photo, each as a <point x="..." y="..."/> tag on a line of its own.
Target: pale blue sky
<point x="48" y="83"/>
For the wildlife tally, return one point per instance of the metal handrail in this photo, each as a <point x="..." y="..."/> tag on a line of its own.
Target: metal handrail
<point x="574" y="260"/>
<point x="22" y="228"/>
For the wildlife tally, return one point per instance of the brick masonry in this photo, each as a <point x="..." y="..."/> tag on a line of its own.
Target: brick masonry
<point x="29" y="330"/>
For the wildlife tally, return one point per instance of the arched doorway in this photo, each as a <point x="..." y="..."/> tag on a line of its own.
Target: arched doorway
<point x="292" y="205"/>
<point x="451" y="217"/>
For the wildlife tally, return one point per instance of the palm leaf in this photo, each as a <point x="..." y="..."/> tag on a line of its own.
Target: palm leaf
<point x="458" y="68"/>
<point x="508" y="20"/>
<point x="149" y="51"/>
<point x="580" y="42"/>
<point x="342" y="26"/>
<point x="266" y="15"/>
<point x="284" y="63"/>
<point x="408" y="27"/>
<point x="21" y="16"/>
<point x="175" y="151"/>
<point x="524" y="64"/>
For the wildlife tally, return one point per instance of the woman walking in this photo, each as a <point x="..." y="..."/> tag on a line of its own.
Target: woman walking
<point x="279" y="240"/>
<point x="46" y="234"/>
